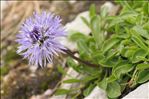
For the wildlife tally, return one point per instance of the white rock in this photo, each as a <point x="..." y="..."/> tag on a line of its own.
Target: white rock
<point x="142" y="92"/>
<point x="78" y="25"/>
<point x="75" y="26"/>
<point x="111" y="8"/>
<point x="109" y="5"/>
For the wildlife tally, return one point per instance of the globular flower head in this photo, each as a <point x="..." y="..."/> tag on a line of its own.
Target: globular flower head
<point x="38" y="38"/>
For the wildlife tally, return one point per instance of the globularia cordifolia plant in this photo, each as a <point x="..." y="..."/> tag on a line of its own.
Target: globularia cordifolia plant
<point x="39" y="39"/>
<point x="114" y="57"/>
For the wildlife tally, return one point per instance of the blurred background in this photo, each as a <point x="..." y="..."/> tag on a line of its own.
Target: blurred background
<point x="18" y="79"/>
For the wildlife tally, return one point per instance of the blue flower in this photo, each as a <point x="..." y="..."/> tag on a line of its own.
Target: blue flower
<point x="38" y="38"/>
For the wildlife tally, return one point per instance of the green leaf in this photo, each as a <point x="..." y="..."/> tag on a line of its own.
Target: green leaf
<point x="82" y="46"/>
<point x="111" y="78"/>
<point x="71" y="81"/>
<point x="72" y="64"/>
<point x="138" y="29"/>
<point x="122" y="68"/>
<point x="77" y="36"/>
<point x="108" y="63"/>
<point x="92" y="11"/>
<point x="88" y="90"/>
<point x="85" y="21"/>
<point x="139" y="55"/>
<point x="114" y="21"/>
<point x="143" y="76"/>
<point x="138" y="40"/>
<point x="129" y="51"/>
<point x="91" y="71"/>
<point x="103" y="84"/>
<point x="111" y="54"/>
<point x="89" y="78"/>
<point x="96" y="30"/>
<point x="97" y="55"/>
<point x="146" y="26"/>
<point x="91" y="44"/>
<point x="143" y="66"/>
<point x="146" y="8"/>
<point x="62" y="91"/>
<point x="108" y="44"/>
<point x="113" y="90"/>
<point x="84" y="51"/>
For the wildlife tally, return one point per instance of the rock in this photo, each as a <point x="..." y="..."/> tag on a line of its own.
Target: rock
<point x="111" y="8"/>
<point x="142" y="92"/>
<point x="78" y="26"/>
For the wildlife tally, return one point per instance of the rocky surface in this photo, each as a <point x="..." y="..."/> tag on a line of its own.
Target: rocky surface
<point x="142" y="92"/>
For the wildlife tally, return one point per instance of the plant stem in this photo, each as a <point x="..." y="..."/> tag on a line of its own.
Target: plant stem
<point x="80" y="60"/>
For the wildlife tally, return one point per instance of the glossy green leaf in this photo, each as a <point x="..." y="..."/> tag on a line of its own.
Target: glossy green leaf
<point x="82" y="46"/>
<point x="89" y="78"/>
<point x="71" y="81"/>
<point x="96" y="30"/>
<point x="62" y="91"/>
<point x="109" y="44"/>
<point x="77" y="36"/>
<point x="88" y="90"/>
<point x="146" y="8"/>
<point x="85" y="21"/>
<point x="138" y="29"/>
<point x="91" y="71"/>
<point x="72" y="64"/>
<point x="143" y="76"/>
<point x="103" y="84"/>
<point x="84" y="51"/>
<point x="122" y="68"/>
<point x="111" y="78"/>
<point x="92" y="11"/>
<point x="139" y="55"/>
<point x="143" y="66"/>
<point x="113" y="90"/>
<point x="129" y="52"/>
<point x="138" y="40"/>
<point x="115" y="21"/>
<point x="108" y="63"/>
<point x="146" y="26"/>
